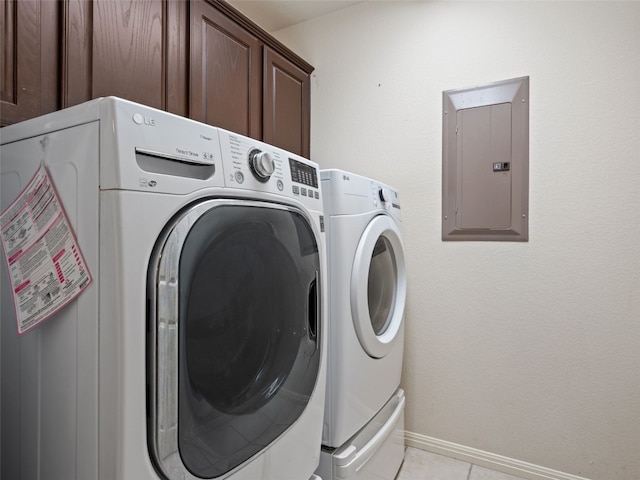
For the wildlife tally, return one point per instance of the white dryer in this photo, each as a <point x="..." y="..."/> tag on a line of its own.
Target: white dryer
<point x="198" y="351"/>
<point x="363" y="434"/>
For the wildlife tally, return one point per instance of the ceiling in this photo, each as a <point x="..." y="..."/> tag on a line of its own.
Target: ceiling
<point x="274" y="15"/>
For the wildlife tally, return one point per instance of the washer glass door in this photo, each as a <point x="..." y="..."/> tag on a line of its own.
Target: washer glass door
<point x="235" y="348"/>
<point x="378" y="286"/>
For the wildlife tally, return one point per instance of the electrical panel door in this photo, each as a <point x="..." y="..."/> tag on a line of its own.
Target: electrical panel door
<point x="485" y="162"/>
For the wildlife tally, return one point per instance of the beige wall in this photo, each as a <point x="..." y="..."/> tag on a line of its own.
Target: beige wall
<point x="526" y="350"/>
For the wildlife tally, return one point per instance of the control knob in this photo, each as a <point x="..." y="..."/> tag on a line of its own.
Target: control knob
<point x="261" y="164"/>
<point x="384" y="194"/>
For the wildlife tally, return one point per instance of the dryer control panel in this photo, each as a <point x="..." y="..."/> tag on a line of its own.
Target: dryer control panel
<point x="384" y="196"/>
<point x="347" y="193"/>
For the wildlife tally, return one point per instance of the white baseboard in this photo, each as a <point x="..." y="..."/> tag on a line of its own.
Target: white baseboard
<point x="486" y="459"/>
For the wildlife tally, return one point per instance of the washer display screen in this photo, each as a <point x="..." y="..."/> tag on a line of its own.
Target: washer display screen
<point x="304" y="174"/>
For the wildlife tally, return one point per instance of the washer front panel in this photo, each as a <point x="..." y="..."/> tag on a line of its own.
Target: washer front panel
<point x="234" y="336"/>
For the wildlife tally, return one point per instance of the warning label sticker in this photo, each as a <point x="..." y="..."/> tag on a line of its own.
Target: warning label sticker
<point x="46" y="267"/>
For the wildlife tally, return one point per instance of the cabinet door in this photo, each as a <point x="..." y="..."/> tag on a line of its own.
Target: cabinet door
<point x="128" y="51"/>
<point x="29" y="83"/>
<point x="225" y="72"/>
<point x="286" y="104"/>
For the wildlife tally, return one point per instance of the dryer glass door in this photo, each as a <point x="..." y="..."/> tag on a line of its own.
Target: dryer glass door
<point x="236" y="343"/>
<point x="381" y="288"/>
<point x="378" y="286"/>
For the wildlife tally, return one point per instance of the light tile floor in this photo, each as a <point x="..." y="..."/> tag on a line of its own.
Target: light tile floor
<point x="421" y="465"/>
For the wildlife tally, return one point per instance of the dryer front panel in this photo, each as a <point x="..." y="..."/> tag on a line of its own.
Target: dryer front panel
<point x="378" y="286"/>
<point x="234" y="338"/>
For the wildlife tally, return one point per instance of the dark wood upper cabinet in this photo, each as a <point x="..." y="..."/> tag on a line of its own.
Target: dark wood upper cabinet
<point x="244" y="80"/>
<point x="29" y="81"/>
<point x="76" y="44"/>
<point x="118" y="48"/>
<point x="286" y="104"/>
<point x="199" y="59"/>
<point x="225" y="72"/>
<point x="128" y="51"/>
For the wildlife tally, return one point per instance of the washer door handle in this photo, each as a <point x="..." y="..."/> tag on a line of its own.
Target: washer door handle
<point x="314" y="308"/>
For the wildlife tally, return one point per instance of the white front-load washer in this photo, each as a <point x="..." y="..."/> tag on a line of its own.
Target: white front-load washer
<point x="198" y="351"/>
<point x="363" y="435"/>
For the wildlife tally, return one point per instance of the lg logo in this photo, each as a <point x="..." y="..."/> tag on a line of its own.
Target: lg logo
<point x="141" y="120"/>
<point x="144" y="183"/>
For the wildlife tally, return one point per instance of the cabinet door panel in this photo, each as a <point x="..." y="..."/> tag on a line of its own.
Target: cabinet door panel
<point x="177" y="52"/>
<point x="286" y="104"/>
<point x="128" y="51"/>
<point x="76" y="52"/>
<point x="29" y="84"/>
<point x="225" y="72"/>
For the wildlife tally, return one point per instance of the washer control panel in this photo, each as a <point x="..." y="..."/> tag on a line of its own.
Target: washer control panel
<point x="253" y="165"/>
<point x="306" y="176"/>
<point x="261" y="164"/>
